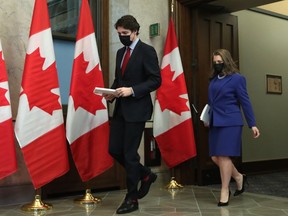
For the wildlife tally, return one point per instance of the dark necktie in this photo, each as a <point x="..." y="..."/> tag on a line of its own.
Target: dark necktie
<point x="125" y="60"/>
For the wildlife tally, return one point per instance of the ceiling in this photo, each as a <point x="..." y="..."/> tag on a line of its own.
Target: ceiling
<point x="236" y="5"/>
<point x="279" y="9"/>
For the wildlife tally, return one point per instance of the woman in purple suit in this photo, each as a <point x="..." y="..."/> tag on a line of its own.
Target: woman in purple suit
<point x="227" y="94"/>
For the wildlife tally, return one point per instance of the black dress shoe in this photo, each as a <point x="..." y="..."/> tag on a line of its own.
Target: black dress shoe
<point x="220" y="204"/>
<point x="238" y="192"/>
<point x="145" y="185"/>
<point x="128" y="206"/>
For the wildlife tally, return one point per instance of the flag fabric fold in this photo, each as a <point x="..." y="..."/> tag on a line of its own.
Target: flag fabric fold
<point x="87" y="125"/>
<point x="39" y="124"/>
<point x="8" y="161"/>
<point x="172" y="125"/>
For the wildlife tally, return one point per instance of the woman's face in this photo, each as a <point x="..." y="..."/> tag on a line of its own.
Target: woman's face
<point x="217" y="59"/>
<point x="218" y="64"/>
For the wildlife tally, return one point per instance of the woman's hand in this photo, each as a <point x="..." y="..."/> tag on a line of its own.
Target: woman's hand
<point x="256" y="132"/>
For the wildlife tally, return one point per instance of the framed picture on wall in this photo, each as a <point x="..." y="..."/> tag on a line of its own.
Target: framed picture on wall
<point x="64" y="17"/>
<point x="274" y="84"/>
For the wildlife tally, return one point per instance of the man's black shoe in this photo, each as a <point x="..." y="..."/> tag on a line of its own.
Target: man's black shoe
<point x="145" y="185"/>
<point x="128" y="206"/>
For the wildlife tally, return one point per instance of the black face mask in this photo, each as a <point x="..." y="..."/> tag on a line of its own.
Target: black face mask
<point x="218" y="67"/>
<point x="125" y="40"/>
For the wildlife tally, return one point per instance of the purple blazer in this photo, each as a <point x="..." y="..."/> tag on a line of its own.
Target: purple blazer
<point x="226" y="101"/>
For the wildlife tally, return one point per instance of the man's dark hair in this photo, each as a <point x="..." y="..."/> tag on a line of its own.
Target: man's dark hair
<point x="128" y="22"/>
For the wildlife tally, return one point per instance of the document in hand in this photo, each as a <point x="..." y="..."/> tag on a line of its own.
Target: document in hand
<point x="205" y="114"/>
<point x="99" y="90"/>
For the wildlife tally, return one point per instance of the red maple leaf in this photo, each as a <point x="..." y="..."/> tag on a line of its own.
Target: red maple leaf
<point x="37" y="83"/>
<point x="3" y="99"/>
<point x="3" y="78"/>
<point x="169" y="93"/>
<point x="83" y="84"/>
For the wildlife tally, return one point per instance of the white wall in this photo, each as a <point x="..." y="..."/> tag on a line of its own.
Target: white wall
<point x="263" y="47"/>
<point x="15" y="19"/>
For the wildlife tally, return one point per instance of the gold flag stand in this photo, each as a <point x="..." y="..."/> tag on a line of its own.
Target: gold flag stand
<point x="88" y="199"/>
<point x="37" y="205"/>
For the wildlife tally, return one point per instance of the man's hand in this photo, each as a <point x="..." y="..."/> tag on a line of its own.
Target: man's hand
<point x="124" y="92"/>
<point x="108" y="97"/>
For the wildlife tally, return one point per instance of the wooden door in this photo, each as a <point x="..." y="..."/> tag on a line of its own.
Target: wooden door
<point x="199" y="32"/>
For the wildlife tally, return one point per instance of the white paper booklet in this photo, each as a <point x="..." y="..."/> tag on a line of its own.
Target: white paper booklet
<point x="99" y="90"/>
<point x="205" y="114"/>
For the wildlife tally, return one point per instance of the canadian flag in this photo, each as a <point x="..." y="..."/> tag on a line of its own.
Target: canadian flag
<point x="39" y="124"/>
<point x="172" y="126"/>
<point x="8" y="162"/>
<point x="87" y="126"/>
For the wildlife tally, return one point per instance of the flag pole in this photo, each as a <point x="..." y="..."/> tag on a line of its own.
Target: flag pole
<point x="173" y="183"/>
<point x="88" y="198"/>
<point x="86" y="46"/>
<point x="37" y="205"/>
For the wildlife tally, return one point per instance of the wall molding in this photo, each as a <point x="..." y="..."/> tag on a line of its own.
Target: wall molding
<point x="258" y="167"/>
<point x="269" y="13"/>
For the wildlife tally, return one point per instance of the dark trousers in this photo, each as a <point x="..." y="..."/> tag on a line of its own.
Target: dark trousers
<point x="125" y="138"/>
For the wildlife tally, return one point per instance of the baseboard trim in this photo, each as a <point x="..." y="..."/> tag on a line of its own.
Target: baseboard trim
<point x="18" y="194"/>
<point x="258" y="167"/>
<point x="212" y="176"/>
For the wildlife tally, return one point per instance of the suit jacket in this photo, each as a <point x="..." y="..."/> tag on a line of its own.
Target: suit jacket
<point x="226" y="100"/>
<point x="142" y="73"/>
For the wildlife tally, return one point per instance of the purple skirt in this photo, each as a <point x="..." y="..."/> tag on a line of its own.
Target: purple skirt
<point x="225" y="141"/>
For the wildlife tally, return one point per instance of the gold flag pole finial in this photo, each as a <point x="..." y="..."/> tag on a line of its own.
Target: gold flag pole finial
<point x="172" y="6"/>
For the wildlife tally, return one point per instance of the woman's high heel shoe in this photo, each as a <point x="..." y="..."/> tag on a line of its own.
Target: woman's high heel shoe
<point x="238" y="192"/>
<point x="220" y="204"/>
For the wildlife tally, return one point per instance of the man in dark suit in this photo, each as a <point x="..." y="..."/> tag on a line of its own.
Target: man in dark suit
<point x="137" y="74"/>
